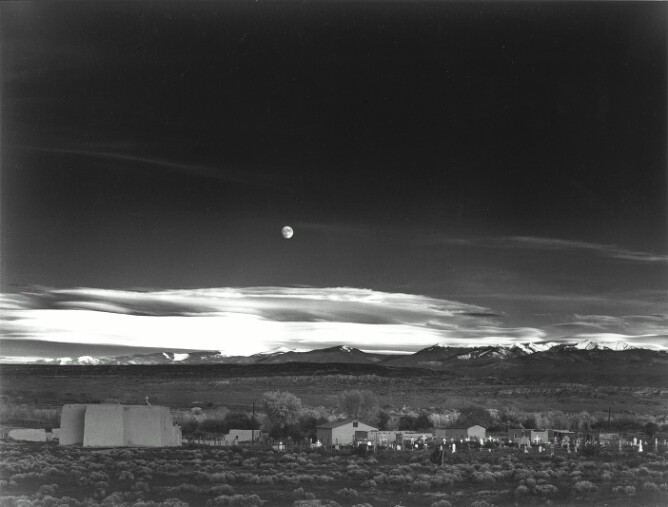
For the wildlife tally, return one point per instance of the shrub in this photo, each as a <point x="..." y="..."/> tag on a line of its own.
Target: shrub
<point x="316" y="503"/>
<point x="245" y="501"/>
<point x="420" y="485"/>
<point x="546" y="490"/>
<point x="300" y="494"/>
<point x="441" y="503"/>
<point x="585" y="487"/>
<point x="650" y="487"/>
<point x="47" y="489"/>
<point x="223" y="489"/>
<point x="347" y="493"/>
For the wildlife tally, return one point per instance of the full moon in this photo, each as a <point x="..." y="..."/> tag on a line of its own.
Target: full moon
<point x="287" y="232"/>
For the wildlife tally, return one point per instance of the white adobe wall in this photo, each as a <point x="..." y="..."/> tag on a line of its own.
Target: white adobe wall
<point x="118" y="425"/>
<point x="27" y="435"/>
<point x="72" y="425"/>
<point x="141" y="425"/>
<point x="103" y="426"/>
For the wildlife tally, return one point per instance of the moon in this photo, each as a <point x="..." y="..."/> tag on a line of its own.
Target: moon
<point x="287" y="232"/>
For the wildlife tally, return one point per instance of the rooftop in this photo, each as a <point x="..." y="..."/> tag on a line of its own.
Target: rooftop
<point x="342" y="422"/>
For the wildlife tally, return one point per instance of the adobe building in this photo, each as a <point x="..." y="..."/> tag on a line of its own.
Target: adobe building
<point x="111" y="425"/>
<point x="345" y="432"/>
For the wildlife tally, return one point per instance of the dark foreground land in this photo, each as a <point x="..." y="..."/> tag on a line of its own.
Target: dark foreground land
<point x="49" y="475"/>
<point x="238" y="386"/>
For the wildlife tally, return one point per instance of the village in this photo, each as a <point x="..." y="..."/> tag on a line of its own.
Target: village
<point x="284" y="453"/>
<point x="115" y="425"/>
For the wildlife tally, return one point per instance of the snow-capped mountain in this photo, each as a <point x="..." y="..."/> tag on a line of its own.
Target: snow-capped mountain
<point x="589" y="344"/>
<point x="435" y="357"/>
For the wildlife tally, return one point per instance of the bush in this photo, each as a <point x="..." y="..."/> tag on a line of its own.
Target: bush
<point x="347" y="493"/>
<point x="650" y="487"/>
<point x="300" y="494"/>
<point x="245" y="501"/>
<point x="316" y="503"/>
<point x="585" y="487"/>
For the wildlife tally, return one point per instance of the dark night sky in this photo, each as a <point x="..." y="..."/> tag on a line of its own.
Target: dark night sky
<point x="510" y="156"/>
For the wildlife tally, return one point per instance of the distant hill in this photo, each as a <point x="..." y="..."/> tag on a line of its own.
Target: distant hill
<point x="340" y="354"/>
<point x="583" y="361"/>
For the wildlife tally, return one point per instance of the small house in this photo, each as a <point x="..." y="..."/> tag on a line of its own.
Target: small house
<point x="344" y="432"/>
<point x="472" y="432"/>
<point x="385" y="438"/>
<point x="520" y="436"/>
<point x="239" y="436"/>
<point x="560" y="435"/>
<point x="528" y="436"/>
<point x="540" y="436"/>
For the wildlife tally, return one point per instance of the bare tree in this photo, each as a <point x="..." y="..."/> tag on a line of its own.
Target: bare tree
<point x="283" y="410"/>
<point x="359" y="404"/>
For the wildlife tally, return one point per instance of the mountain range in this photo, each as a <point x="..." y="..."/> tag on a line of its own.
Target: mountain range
<point x="436" y="357"/>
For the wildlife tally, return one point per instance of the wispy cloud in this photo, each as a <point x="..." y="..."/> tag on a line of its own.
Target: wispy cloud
<point x="259" y="178"/>
<point x="602" y="249"/>
<point x="552" y="244"/>
<point x="636" y="325"/>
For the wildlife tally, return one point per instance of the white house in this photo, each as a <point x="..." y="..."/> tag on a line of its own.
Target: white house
<point x="345" y="432"/>
<point x="476" y="431"/>
<point x="110" y="425"/>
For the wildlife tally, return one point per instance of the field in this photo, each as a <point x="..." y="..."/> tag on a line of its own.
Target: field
<point x="238" y="386"/>
<point x="49" y="475"/>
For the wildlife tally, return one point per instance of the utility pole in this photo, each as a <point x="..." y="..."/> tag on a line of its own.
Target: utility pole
<point x="253" y="427"/>
<point x="609" y="409"/>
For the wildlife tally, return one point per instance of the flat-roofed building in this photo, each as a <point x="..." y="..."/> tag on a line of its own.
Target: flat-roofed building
<point x="344" y="432"/>
<point x="109" y="425"/>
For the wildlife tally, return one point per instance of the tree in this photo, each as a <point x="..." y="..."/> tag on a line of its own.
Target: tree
<point x="423" y="423"/>
<point x="474" y="415"/>
<point x="359" y="404"/>
<point x="383" y="420"/>
<point x="308" y="424"/>
<point x="239" y="421"/>
<point x="283" y="410"/>
<point x="651" y="429"/>
<point x="407" y="423"/>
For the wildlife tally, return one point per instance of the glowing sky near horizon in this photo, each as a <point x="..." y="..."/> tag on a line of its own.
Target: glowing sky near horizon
<point x="243" y="321"/>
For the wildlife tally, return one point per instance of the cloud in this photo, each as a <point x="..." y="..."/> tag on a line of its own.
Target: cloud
<point x="249" y="320"/>
<point x="242" y="321"/>
<point x="626" y="325"/>
<point x="256" y="178"/>
<point x="602" y="249"/>
<point x="552" y="244"/>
